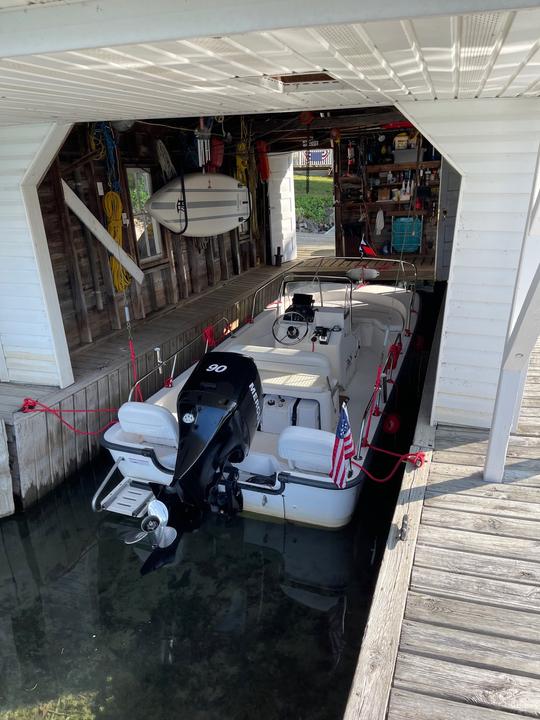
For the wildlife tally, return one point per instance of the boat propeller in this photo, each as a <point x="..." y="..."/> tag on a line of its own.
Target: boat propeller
<point x="155" y="523"/>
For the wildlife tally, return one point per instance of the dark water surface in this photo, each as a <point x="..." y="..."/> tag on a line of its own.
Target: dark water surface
<point x="252" y="620"/>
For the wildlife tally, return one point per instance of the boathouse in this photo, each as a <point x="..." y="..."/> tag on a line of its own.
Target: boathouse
<point x="92" y="88"/>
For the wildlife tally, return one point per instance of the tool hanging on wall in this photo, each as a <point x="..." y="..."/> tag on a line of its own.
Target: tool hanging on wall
<point x="168" y="170"/>
<point x="102" y="141"/>
<point x="335" y="139"/>
<point x="350" y="158"/>
<point x="262" y="160"/>
<point x="306" y="118"/>
<point x="112" y="204"/>
<point x="242" y="153"/>
<point x="217" y="153"/>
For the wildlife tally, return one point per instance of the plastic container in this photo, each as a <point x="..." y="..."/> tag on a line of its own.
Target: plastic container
<point x="406" y="234"/>
<point x="408" y="156"/>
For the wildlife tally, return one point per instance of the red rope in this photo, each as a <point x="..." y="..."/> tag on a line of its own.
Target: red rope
<point x="209" y="337"/>
<point x="30" y="405"/>
<point x="417" y="459"/>
<point x="138" y="391"/>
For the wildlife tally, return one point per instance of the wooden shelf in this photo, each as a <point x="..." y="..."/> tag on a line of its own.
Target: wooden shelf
<point x="407" y="213"/>
<point x="431" y="164"/>
<point x="378" y="203"/>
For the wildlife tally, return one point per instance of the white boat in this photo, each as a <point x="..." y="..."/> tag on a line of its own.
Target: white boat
<point x="252" y="426"/>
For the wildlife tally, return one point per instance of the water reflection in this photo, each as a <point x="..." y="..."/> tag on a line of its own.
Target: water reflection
<point x="250" y="619"/>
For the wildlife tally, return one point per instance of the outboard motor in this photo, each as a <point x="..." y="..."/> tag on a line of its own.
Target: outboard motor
<point x="219" y="411"/>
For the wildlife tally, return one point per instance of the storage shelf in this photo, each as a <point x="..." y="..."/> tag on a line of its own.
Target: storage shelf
<point x="430" y="164"/>
<point x="351" y="179"/>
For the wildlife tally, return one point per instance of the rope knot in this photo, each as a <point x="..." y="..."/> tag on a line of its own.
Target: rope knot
<point x="29" y="405"/>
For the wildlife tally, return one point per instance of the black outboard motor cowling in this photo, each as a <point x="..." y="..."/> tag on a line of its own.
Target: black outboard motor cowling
<point x="219" y="411"/>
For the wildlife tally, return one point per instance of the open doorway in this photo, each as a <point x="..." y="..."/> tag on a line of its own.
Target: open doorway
<point x="314" y="202"/>
<point x="365" y="182"/>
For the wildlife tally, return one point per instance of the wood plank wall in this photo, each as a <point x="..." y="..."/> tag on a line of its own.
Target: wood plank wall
<point x="91" y="309"/>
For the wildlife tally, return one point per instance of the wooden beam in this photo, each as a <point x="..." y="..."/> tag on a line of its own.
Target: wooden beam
<point x="101" y="234"/>
<point x="106" y="274"/>
<point x="72" y="261"/>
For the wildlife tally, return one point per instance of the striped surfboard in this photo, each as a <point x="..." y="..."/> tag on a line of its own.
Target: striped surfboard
<point x="215" y="204"/>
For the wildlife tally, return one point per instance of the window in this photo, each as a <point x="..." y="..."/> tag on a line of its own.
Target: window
<point x="147" y="233"/>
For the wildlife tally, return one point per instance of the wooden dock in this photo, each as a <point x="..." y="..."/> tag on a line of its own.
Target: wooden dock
<point x="454" y="632"/>
<point x="425" y="265"/>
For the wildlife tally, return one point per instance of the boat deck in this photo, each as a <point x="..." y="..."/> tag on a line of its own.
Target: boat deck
<point x="462" y="618"/>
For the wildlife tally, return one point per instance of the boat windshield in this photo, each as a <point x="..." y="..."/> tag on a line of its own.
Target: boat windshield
<point x="326" y="291"/>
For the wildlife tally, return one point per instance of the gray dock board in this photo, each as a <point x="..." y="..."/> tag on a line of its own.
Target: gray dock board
<point x="469" y="638"/>
<point x="408" y="705"/>
<point x="462" y="614"/>
<point x="468" y="683"/>
<point x="464" y="646"/>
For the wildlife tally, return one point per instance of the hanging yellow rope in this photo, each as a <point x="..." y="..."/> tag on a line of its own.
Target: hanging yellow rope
<point x="112" y="204"/>
<point x="242" y="154"/>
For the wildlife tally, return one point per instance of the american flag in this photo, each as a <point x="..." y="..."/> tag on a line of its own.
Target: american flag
<point x="344" y="449"/>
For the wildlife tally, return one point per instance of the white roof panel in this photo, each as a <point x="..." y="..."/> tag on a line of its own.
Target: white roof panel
<point x="477" y="55"/>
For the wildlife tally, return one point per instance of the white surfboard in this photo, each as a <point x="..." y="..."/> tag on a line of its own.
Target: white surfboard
<point x="215" y="204"/>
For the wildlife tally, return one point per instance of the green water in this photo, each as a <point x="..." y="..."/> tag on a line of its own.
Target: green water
<point x="253" y="619"/>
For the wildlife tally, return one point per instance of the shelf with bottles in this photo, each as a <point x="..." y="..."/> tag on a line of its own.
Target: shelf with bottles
<point x="397" y="167"/>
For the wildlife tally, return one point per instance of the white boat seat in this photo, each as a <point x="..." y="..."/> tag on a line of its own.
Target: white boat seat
<point x="152" y="423"/>
<point x="291" y="383"/>
<point x="307" y="449"/>
<point x="274" y="358"/>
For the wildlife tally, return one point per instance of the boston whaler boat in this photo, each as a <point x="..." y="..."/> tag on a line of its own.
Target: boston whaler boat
<point x="252" y="426"/>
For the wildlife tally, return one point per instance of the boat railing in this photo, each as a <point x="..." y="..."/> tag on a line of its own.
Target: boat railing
<point x="366" y="262"/>
<point x="266" y="284"/>
<point x="380" y="390"/>
<point x="172" y="359"/>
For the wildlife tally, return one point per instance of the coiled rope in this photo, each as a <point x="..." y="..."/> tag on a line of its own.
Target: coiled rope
<point x="112" y="203"/>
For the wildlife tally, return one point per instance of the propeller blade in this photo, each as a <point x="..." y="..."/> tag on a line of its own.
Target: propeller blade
<point x="159" y="509"/>
<point x="165" y="536"/>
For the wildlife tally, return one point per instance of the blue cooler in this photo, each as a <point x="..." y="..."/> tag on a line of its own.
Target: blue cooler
<point x="406" y="234"/>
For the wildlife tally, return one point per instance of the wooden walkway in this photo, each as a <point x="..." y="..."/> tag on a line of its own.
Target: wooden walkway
<point x="425" y="266"/>
<point x="469" y="643"/>
<point x="112" y="352"/>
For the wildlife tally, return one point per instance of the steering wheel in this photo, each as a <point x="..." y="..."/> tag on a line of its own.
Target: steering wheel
<point x="294" y="334"/>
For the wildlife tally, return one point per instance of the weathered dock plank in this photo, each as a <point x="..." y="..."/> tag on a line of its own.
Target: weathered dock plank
<point x="470" y="638"/>
<point x="408" y="705"/>
<point x="488" y="566"/>
<point x="461" y="614"/>
<point x="467" y="683"/>
<point x="464" y="646"/>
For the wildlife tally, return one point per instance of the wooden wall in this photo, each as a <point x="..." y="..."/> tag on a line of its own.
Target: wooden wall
<point x="91" y="308"/>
